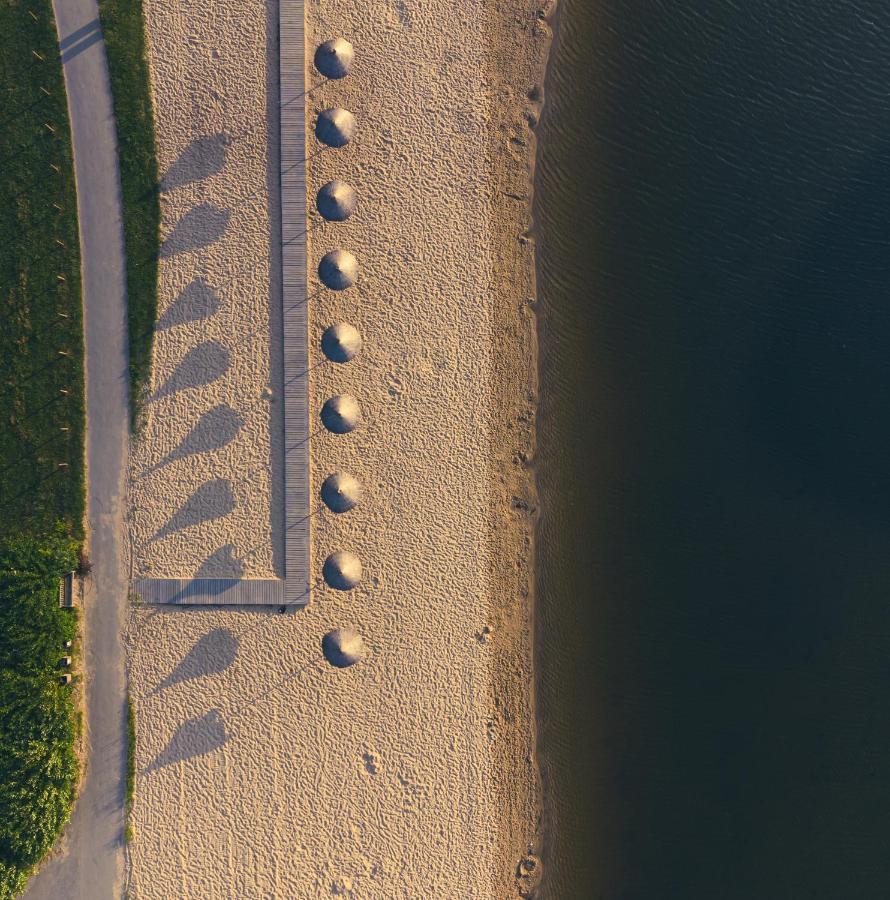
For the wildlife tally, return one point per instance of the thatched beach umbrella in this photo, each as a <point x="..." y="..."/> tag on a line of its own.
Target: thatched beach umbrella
<point x="336" y="201"/>
<point x="335" y="127"/>
<point x="333" y="58"/>
<point x="341" y="414"/>
<point x="338" y="270"/>
<point x="340" y="492"/>
<point x="341" y="342"/>
<point x="343" y="647"/>
<point x="342" y="570"/>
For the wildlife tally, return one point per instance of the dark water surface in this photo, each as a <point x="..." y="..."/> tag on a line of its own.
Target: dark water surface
<point x="714" y="581"/>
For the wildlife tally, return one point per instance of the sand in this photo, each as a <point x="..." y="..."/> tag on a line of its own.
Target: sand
<point x="264" y="771"/>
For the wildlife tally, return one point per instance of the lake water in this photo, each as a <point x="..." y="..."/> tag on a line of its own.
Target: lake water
<point x="713" y="201"/>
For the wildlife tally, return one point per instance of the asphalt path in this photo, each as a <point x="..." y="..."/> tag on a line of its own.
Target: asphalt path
<point x="89" y="862"/>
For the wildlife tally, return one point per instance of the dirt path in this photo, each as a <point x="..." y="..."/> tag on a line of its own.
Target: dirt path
<point x="89" y="862"/>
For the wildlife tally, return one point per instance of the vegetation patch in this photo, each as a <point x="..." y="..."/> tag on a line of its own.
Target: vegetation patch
<point x="131" y="767"/>
<point x="38" y="763"/>
<point x="41" y="439"/>
<point x="41" y="341"/>
<point x="122" y="24"/>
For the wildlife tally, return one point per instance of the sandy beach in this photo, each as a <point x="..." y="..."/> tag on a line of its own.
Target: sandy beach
<point x="264" y="772"/>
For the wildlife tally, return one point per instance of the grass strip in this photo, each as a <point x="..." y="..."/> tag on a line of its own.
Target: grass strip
<point x="122" y="24"/>
<point x="41" y="339"/>
<point x="131" y="767"/>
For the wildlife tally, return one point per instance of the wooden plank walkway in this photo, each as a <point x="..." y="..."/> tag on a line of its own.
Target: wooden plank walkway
<point x="294" y="588"/>
<point x="292" y="51"/>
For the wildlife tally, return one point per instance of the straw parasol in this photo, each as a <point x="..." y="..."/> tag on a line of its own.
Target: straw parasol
<point x="336" y="201"/>
<point x="333" y="58"/>
<point x="338" y="270"/>
<point x="343" y="647"/>
<point x="341" y="414"/>
<point x="342" y="570"/>
<point x="335" y="127"/>
<point x="341" y="342"/>
<point x="340" y="492"/>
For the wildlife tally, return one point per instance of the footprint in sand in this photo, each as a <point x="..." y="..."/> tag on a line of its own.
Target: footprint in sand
<point x="394" y="385"/>
<point x="372" y="762"/>
<point x="341" y="887"/>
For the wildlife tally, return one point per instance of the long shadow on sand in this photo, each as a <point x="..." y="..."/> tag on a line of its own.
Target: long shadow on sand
<point x="213" y="653"/>
<point x="196" y="301"/>
<point x="212" y="500"/>
<point x="199" y="227"/>
<point x="203" y="157"/>
<point x="201" y="365"/>
<point x="214" y="430"/>
<point x="195" y="737"/>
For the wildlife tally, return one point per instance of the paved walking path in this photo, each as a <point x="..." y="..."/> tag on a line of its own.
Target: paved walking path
<point x="89" y="862"/>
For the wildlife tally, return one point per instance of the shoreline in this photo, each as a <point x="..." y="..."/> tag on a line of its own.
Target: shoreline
<point x="548" y="819"/>
<point x="511" y="66"/>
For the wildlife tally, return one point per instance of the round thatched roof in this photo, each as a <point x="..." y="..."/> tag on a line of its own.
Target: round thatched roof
<point x="336" y="201"/>
<point x="340" y="492"/>
<point x="333" y="58"/>
<point x="338" y="270"/>
<point x="341" y="414"/>
<point x="335" y="127"/>
<point x="342" y="570"/>
<point x="343" y="647"/>
<point x="341" y="342"/>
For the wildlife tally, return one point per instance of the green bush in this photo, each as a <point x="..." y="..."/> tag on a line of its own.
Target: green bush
<point x="38" y="765"/>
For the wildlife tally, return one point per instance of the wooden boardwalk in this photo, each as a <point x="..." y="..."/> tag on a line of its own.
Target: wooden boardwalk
<point x="295" y="314"/>
<point x="294" y="588"/>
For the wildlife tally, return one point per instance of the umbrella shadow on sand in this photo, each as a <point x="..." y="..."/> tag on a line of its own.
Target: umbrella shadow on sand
<point x="212" y="500"/>
<point x="203" y="157"/>
<point x="194" y="737"/>
<point x="202" y="365"/>
<point x="214" y="430"/>
<point x="200" y="227"/>
<point x="213" y="653"/>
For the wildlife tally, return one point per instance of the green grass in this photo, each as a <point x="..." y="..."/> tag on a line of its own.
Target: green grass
<point x="38" y="765"/>
<point x="41" y="344"/>
<point x="131" y="767"/>
<point x="125" y="44"/>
